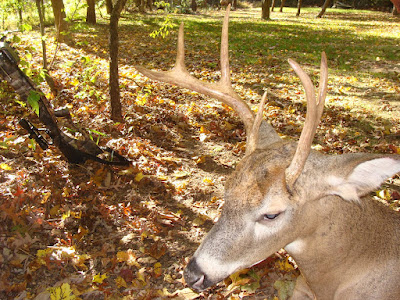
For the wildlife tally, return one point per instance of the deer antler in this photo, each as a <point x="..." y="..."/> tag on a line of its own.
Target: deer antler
<point x="253" y="139"/>
<point x="314" y="112"/>
<point x="221" y="90"/>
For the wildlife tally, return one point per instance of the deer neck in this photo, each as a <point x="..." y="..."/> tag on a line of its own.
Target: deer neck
<point x="348" y="244"/>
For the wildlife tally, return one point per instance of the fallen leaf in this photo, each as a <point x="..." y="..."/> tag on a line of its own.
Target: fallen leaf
<point x="98" y="278"/>
<point x="139" y="176"/>
<point x="157" y="269"/>
<point x="187" y="294"/>
<point x="120" y="282"/>
<point x="284" y="288"/>
<point x="5" y="167"/>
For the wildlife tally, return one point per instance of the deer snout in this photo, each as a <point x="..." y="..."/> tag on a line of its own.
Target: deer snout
<point x="195" y="277"/>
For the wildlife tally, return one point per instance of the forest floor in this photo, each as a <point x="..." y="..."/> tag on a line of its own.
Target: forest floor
<point x="92" y="231"/>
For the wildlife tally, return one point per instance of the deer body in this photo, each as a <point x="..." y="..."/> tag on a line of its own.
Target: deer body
<point x="353" y="252"/>
<point x="283" y="195"/>
<point x="345" y="249"/>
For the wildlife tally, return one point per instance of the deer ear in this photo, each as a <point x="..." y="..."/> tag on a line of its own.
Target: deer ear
<point x="365" y="177"/>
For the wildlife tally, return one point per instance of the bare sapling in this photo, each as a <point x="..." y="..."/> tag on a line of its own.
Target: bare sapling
<point x="285" y="195"/>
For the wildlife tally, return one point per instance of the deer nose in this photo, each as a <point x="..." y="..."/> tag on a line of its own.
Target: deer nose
<point x="194" y="276"/>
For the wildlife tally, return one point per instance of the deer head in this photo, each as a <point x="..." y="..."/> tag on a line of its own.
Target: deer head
<point x="274" y="198"/>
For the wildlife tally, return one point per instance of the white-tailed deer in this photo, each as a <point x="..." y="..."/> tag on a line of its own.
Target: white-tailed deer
<point x="283" y="195"/>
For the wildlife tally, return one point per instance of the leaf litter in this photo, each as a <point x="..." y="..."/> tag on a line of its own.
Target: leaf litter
<point x="102" y="232"/>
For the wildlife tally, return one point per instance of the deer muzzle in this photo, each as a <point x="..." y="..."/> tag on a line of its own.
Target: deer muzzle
<point x="195" y="277"/>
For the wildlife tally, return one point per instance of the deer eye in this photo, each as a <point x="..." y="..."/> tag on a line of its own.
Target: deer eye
<point x="271" y="216"/>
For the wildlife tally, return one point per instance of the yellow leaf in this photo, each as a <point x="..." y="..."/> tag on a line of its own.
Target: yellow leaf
<point x="384" y="194"/>
<point x="129" y="257"/>
<point x="99" y="278"/>
<point x="181" y="174"/>
<point x="76" y="215"/>
<point x="66" y="215"/>
<point x="80" y="260"/>
<point x="164" y="293"/>
<point x="200" y="220"/>
<point x="122" y="256"/>
<point x="157" y="269"/>
<point x="229" y="126"/>
<point x="65" y="192"/>
<point x="74" y="82"/>
<point x="239" y="279"/>
<point x="168" y="278"/>
<point x="285" y="266"/>
<point x="120" y="282"/>
<point x="81" y="233"/>
<point x="46" y="197"/>
<point x="187" y="294"/>
<point x="141" y="100"/>
<point x="128" y="171"/>
<point x="204" y="130"/>
<point x="5" y="167"/>
<point x="201" y="159"/>
<point x="141" y="275"/>
<point x="139" y="176"/>
<point x="208" y="181"/>
<point x="62" y="292"/>
<point x="54" y="210"/>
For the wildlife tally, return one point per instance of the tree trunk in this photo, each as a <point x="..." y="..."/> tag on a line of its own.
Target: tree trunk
<point x="20" y="9"/>
<point x="234" y="4"/>
<point x="282" y="5"/>
<point x="396" y="4"/>
<point x="48" y="78"/>
<point x="149" y="4"/>
<point x="91" y="12"/>
<point x="116" y="110"/>
<point x="142" y="5"/>
<point x="273" y="5"/>
<point x="109" y="6"/>
<point x="194" y="6"/>
<point x="43" y="11"/>
<point x="324" y="7"/>
<point x="59" y="18"/>
<point x="265" y="13"/>
<point x="299" y="3"/>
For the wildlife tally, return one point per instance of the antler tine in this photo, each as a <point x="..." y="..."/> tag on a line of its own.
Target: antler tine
<point x="323" y="85"/>
<point x="253" y="137"/>
<point x="180" y="55"/>
<point x="314" y="112"/>
<point x="225" y="70"/>
<point x="222" y="91"/>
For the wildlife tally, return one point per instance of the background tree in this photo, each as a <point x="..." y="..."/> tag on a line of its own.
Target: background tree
<point x="91" y="12"/>
<point x="109" y="6"/>
<point x="47" y="77"/>
<point x="116" y="110"/>
<point x="396" y="7"/>
<point x="326" y="4"/>
<point x="265" y="9"/>
<point x="59" y="18"/>
<point x="20" y="7"/>
<point x="193" y="6"/>
<point x="10" y="6"/>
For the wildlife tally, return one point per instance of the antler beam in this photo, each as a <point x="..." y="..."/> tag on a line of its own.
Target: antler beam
<point x="221" y="90"/>
<point x="314" y="112"/>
